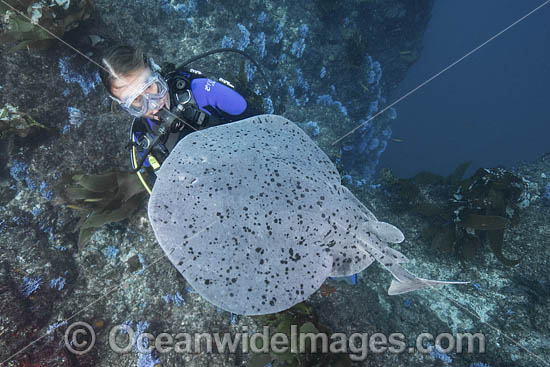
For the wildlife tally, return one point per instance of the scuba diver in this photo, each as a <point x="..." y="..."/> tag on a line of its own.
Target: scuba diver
<point x="167" y="104"/>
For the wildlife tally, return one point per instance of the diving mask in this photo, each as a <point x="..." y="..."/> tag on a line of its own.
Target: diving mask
<point x="145" y="96"/>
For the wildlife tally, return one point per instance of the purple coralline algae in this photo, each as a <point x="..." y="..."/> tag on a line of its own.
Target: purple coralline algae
<point x="111" y="252"/>
<point x="144" y="359"/>
<point x="313" y="128"/>
<point x="44" y="192"/>
<point x="87" y="83"/>
<point x="189" y="8"/>
<point x="259" y="43"/>
<point x="228" y="42"/>
<point x="30" y="285"/>
<point x="546" y="194"/>
<point x="176" y="299"/>
<point x="58" y="283"/>
<point x="245" y="39"/>
<point x="262" y="17"/>
<point x="19" y="172"/>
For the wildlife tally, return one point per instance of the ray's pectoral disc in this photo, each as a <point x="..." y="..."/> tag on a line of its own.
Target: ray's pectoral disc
<point x="254" y="216"/>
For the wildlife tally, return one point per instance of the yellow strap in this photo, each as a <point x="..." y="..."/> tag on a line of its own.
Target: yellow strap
<point x="134" y="151"/>
<point x="153" y="161"/>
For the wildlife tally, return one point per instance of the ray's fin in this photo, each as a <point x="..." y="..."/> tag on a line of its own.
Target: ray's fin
<point x="384" y="231"/>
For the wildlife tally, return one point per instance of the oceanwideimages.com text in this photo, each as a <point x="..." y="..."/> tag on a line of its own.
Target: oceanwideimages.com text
<point x="123" y="339"/>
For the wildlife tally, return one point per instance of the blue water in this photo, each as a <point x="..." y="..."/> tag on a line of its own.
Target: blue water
<point x="492" y="107"/>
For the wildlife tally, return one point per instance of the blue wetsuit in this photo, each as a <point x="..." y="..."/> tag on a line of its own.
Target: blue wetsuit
<point x="213" y="95"/>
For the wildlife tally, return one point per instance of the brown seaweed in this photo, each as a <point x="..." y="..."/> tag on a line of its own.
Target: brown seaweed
<point x="102" y="199"/>
<point x="485" y="222"/>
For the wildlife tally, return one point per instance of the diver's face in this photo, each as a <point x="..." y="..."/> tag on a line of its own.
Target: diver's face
<point x="124" y="86"/>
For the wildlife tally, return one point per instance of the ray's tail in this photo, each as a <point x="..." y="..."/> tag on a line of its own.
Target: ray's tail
<point x="378" y="235"/>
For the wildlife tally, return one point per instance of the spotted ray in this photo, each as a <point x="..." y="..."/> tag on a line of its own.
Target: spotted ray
<point x="254" y="216"/>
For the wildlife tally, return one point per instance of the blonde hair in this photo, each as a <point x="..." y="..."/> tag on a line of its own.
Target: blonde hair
<point x="120" y="60"/>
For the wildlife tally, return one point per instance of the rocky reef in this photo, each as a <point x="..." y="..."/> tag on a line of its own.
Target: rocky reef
<point x="330" y="65"/>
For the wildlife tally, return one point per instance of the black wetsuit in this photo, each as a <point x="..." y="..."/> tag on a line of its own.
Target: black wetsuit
<point x="207" y="103"/>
